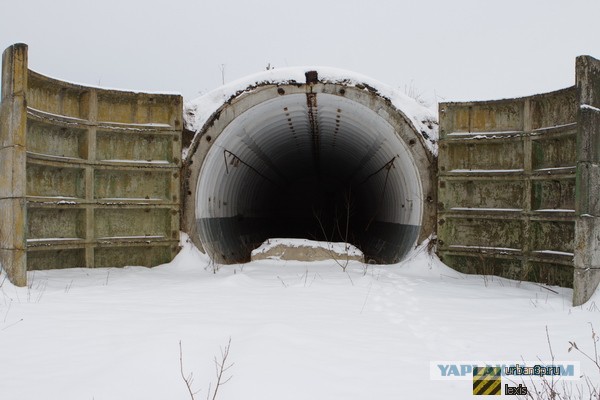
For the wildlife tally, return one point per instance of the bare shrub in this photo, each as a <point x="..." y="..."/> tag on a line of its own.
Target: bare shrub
<point x="550" y="388"/>
<point x="221" y="368"/>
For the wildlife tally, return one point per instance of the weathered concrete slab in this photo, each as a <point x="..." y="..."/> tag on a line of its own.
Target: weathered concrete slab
<point x="90" y="176"/>
<point x="519" y="185"/>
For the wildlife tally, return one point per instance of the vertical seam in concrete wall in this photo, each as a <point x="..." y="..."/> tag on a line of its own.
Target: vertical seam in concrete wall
<point x="527" y="169"/>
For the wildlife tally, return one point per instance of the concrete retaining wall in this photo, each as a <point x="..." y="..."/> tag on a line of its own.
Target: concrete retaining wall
<point x="517" y="194"/>
<point x="90" y="176"/>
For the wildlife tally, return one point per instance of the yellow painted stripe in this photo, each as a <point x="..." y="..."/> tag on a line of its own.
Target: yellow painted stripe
<point x="482" y="386"/>
<point x="484" y="379"/>
<point x="487" y="371"/>
<point x="494" y="389"/>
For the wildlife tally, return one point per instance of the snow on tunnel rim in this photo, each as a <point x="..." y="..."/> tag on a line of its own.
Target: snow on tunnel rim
<point x="313" y="152"/>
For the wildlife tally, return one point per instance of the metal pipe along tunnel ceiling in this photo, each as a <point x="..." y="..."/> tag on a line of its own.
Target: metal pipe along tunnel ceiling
<point x="310" y="161"/>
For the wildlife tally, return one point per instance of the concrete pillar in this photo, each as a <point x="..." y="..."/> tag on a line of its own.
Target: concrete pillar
<point x="91" y="103"/>
<point x="13" y="127"/>
<point x="587" y="226"/>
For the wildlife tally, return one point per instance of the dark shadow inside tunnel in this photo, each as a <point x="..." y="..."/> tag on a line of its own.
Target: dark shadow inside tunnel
<point x="317" y="209"/>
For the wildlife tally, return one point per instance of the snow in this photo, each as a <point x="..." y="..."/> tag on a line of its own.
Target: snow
<point x="555" y="169"/>
<point x="500" y="249"/>
<point x="588" y="107"/>
<point x="135" y="126"/>
<point x="487" y="171"/>
<point x="199" y="110"/>
<point x="334" y="247"/>
<point x="131" y="237"/>
<point x="298" y="330"/>
<point x="129" y="198"/>
<point x="65" y="198"/>
<point x="144" y="125"/>
<point x="486" y="134"/>
<point x="49" y="115"/>
<point x="568" y="210"/>
<point x="554" y="252"/>
<point x="34" y="154"/>
<point x="53" y="239"/>
<point x="124" y="161"/>
<point x="138" y="161"/>
<point x="486" y="209"/>
<point x="554" y="127"/>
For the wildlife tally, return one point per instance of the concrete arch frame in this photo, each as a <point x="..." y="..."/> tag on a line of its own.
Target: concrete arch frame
<point x="235" y="181"/>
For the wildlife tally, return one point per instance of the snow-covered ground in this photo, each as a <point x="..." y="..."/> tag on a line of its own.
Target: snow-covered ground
<point x="298" y="330"/>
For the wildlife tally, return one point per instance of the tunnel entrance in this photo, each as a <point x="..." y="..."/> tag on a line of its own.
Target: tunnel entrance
<point x="329" y="163"/>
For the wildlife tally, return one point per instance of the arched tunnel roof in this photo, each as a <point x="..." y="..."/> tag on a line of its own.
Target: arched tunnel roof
<point x="316" y="153"/>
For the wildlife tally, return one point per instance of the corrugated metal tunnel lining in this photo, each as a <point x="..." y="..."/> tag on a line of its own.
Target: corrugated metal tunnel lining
<point x="312" y="165"/>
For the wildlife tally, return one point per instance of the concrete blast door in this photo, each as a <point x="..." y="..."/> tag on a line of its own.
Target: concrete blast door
<point x="323" y="161"/>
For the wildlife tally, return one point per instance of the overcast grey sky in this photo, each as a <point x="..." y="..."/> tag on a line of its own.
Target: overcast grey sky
<point x="455" y="50"/>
